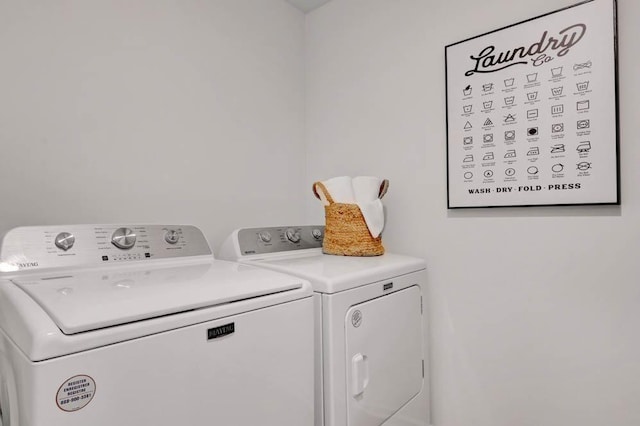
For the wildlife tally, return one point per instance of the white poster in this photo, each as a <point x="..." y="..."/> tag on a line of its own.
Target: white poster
<point x="532" y="112"/>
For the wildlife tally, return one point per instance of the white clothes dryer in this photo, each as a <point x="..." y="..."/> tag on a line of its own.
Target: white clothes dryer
<point x="371" y="364"/>
<point x="108" y="325"/>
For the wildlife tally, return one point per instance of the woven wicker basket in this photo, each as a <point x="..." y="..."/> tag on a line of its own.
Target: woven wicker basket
<point x="346" y="232"/>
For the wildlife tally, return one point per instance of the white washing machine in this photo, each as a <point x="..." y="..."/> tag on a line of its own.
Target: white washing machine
<point x="371" y="363"/>
<point x="107" y="325"/>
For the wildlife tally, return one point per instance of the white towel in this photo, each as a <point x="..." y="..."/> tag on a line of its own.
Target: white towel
<point x="367" y="190"/>
<point x="340" y="189"/>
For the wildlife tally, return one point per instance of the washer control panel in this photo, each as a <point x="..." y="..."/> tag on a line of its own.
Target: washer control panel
<point x="41" y="247"/>
<point x="279" y="239"/>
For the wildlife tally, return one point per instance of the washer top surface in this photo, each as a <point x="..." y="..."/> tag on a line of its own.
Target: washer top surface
<point x="88" y="300"/>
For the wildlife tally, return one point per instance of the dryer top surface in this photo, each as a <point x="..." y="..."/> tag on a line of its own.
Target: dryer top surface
<point x="332" y="274"/>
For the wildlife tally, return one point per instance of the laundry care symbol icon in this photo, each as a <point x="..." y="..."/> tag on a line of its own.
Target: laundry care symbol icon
<point x="582" y="105"/>
<point x="557" y="91"/>
<point x="584" y="147"/>
<point x="534" y="150"/>
<point x="467" y="109"/>
<point x="487" y="104"/>
<point x="511" y="153"/>
<point x="583" y="124"/>
<point x="582" y="86"/>
<point x="583" y="166"/>
<point x="510" y="118"/>
<point x="582" y="66"/>
<point x="509" y="82"/>
<point x="488" y="122"/>
<point x="467" y="90"/>
<point x="556" y="72"/>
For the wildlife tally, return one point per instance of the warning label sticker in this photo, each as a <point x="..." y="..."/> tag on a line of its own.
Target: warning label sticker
<point x="75" y="393"/>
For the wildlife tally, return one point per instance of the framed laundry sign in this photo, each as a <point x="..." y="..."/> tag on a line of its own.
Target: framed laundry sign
<point x="532" y="112"/>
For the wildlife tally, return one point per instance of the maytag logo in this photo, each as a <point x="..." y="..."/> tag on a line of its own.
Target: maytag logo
<point x="223" y="330"/>
<point x="26" y="265"/>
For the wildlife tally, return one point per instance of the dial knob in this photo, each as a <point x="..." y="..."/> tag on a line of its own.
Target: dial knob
<point x="65" y="241"/>
<point x="292" y="235"/>
<point x="264" y="236"/>
<point x="123" y="238"/>
<point x="171" y="236"/>
<point x="316" y="233"/>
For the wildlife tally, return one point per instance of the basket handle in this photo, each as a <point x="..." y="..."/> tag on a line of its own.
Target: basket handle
<point x="384" y="187"/>
<point x="323" y="189"/>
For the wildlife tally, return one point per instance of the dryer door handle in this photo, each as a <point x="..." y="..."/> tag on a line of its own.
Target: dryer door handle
<point x="359" y="374"/>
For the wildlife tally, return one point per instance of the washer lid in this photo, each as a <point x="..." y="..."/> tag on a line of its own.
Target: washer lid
<point x="331" y="274"/>
<point x="88" y="300"/>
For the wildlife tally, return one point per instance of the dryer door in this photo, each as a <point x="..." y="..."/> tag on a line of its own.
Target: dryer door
<point x="384" y="356"/>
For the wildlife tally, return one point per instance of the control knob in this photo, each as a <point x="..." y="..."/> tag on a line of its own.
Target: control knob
<point x="292" y="235"/>
<point x="171" y="236"/>
<point x="123" y="238"/>
<point x="65" y="241"/>
<point x="264" y="236"/>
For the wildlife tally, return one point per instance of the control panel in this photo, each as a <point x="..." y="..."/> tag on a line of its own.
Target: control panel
<point x="40" y="247"/>
<point x="279" y="239"/>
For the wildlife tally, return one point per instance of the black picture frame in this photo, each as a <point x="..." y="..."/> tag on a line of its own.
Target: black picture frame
<point x="532" y="112"/>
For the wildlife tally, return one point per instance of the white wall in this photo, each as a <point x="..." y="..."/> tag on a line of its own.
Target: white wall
<point x="534" y="311"/>
<point x="145" y="111"/>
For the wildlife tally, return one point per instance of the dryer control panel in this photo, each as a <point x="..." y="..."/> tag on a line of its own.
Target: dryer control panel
<point x="43" y="247"/>
<point x="279" y="239"/>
